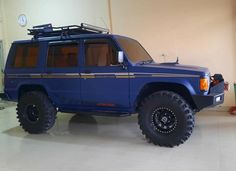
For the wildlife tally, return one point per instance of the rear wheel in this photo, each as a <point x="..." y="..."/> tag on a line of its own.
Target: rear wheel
<point x="166" y="119"/>
<point x="35" y="112"/>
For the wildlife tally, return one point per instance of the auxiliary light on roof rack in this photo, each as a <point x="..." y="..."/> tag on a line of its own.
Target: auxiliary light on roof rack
<point x="47" y="30"/>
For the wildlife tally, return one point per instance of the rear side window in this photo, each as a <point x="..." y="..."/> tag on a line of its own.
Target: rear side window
<point x="26" y="56"/>
<point x="63" y="55"/>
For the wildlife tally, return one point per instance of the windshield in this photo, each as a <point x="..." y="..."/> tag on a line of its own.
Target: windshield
<point x="134" y="50"/>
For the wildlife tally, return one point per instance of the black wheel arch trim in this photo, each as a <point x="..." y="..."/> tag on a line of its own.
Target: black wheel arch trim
<point x="150" y="88"/>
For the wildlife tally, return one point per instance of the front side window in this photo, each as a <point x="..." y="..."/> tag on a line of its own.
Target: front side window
<point x="26" y="56"/>
<point x="134" y="50"/>
<point x="100" y="53"/>
<point x="63" y="55"/>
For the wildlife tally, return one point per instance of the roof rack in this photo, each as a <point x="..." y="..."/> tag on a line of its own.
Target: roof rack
<point x="47" y="30"/>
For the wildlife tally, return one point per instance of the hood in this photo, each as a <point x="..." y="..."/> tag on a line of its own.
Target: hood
<point x="178" y="68"/>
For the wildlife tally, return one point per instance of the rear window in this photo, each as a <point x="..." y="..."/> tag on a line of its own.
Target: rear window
<point x="63" y="55"/>
<point x="26" y="56"/>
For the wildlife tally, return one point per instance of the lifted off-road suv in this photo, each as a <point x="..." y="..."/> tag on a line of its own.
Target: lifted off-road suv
<point x="85" y="69"/>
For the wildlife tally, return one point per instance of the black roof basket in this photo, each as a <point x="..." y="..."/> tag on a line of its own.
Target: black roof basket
<point x="47" y="30"/>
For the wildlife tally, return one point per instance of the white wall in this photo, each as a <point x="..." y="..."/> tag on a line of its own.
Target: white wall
<point x="200" y="32"/>
<point x="57" y="12"/>
<point x="1" y="25"/>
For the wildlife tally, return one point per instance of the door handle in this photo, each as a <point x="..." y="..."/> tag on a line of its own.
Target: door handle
<point x="87" y="72"/>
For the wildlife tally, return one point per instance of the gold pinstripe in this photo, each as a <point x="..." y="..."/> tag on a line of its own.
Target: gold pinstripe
<point x="88" y="76"/>
<point x="102" y="75"/>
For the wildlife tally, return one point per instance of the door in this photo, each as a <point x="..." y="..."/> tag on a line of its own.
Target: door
<point x="62" y="73"/>
<point x="104" y="82"/>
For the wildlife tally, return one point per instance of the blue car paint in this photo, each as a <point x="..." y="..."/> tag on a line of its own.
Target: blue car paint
<point x="90" y="94"/>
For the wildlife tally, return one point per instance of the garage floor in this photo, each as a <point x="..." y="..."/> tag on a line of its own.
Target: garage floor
<point x="100" y="143"/>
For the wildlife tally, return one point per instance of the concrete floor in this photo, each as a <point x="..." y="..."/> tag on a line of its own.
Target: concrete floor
<point x="100" y="143"/>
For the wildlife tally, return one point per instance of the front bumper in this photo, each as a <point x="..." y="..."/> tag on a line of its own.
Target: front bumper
<point x="214" y="98"/>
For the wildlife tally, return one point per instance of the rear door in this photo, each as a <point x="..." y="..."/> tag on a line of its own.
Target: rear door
<point x="104" y="82"/>
<point x="62" y="73"/>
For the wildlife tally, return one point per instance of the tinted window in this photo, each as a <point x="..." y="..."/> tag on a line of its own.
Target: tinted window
<point x="26" y="56"/>
<point x="133" y="49"/>
<point x="63" y="55"/>
<point x="100" y="53"/>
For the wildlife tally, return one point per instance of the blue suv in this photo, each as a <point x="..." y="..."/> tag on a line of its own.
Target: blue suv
<point x="85" y="69"/>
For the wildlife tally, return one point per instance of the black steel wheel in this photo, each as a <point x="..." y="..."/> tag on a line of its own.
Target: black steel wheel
<point x="35" y="112"/>
<point x="32" y="113"/>
<point x="166" y="119"/>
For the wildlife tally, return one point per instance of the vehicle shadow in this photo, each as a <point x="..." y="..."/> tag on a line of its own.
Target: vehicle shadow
<point x="86" y="129"/>
<point x="83" y="129"/>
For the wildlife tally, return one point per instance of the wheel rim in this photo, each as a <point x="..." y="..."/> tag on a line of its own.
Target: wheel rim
<point x="32" y="113"/>
<point x="164" y="120"/>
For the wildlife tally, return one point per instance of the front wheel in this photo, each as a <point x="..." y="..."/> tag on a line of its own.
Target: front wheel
<point x="166" y="119"/>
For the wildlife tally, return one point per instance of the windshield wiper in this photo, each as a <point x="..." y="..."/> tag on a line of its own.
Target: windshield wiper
<point x="145" y="62"/>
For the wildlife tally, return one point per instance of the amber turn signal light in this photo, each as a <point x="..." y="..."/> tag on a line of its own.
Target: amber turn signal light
<point x="204" y="84"/>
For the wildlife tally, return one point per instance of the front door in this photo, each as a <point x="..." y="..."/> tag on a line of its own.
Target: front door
<point x="104" y="82"/>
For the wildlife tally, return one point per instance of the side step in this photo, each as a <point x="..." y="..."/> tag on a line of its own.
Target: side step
<point x="99" y="113"/>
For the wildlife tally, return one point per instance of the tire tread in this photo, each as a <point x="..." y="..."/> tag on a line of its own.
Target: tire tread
<point x="185" y="108"/>
<point x="49" y="112"/>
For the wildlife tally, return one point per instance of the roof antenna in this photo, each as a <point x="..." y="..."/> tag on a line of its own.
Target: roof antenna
<point x="104" y="23"/>
<point x="177" y="60"/>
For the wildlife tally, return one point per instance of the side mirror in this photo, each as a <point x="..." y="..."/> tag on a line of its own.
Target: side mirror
<point x="121" y="57"/>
